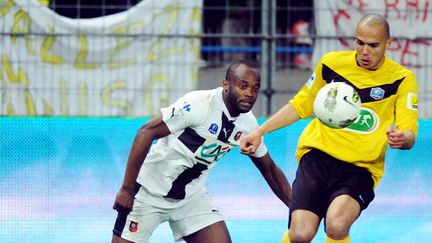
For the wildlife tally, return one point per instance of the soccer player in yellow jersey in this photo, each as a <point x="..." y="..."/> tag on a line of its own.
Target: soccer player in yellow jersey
<point x="339" y="168"/>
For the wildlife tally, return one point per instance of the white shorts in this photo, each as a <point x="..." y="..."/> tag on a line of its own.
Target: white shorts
<point x="185" y="217"/>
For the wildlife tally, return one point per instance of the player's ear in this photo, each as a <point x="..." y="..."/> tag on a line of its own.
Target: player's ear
<point x="225" y="84"/>
<point x="388" y="43"/>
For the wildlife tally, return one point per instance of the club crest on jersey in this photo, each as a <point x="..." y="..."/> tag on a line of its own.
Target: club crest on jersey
<point x="377" y="93"/>
<point x="237" y="136"/>
<point x="133" y="227"/>
<point x="213" y="128"/>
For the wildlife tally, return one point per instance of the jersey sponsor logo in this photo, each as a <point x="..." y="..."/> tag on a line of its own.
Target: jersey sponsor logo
<point x="311" y="80"/>
<point x="377" y="93"/>
<point x="212" y="151"/>
<point x="412" y="101"/>
<point x="366" y="122"/>
<point x="213" y="128"/>
<point x="133" y="226"/>
<point x="187" y="107"/>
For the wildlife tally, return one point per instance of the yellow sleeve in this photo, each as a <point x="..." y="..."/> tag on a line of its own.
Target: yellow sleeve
<point x="406" y="105"/>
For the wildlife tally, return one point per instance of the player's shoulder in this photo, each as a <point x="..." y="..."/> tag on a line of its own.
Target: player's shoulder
<point x="200" y="98"/>
<point x="397" y="68"/>
<point x="247" y="121"/>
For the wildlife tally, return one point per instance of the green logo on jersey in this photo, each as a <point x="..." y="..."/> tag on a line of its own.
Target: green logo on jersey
<point x="212" y="152"/>
<point x="366" y="122"/>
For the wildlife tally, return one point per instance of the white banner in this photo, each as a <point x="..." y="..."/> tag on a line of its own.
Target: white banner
<point x="407" y="19"/>
<point x="126" y="64"/>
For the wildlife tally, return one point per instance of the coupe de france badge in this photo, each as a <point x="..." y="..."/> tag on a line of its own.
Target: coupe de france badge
<point x="213" y="128"/>
<point x="377" y="93"/>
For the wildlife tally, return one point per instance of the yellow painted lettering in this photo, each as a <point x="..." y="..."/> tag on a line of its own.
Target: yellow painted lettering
<point x="196" y="22"/>
<point x="156" y="52"/>
<point x="14" y="78"/>
<point x="45" y="52"/>
<point x="63" y="97"/>
<point x="31" y="110"/>
<point x="122" y="43"/>
<point x="156" y="79"/>
<point x="4" y="8"/>
<point x="80" y="61"/>
<point x="21" y="26"/>
<point x="107" y="100"/>
<point x="48" y="111"/>
<point x="9" y="108"/>
<point x="2" y="80"/>
<point x="83" y="99"/>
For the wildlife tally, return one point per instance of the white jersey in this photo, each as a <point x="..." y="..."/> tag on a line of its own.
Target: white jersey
<point x="202" y="132"/>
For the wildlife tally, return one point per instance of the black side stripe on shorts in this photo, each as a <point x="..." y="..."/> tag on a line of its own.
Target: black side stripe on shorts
<point x="330" y="75"/>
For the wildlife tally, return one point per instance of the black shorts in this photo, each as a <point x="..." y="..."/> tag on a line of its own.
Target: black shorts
<point x="320" y="178"/>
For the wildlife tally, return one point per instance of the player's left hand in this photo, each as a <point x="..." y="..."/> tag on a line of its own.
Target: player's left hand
<point x="396" y="138"/>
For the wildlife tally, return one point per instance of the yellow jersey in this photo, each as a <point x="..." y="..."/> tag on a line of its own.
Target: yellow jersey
<point x="389" y="98"/>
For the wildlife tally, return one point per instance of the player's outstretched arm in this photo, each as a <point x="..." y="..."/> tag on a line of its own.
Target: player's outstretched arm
<point x="275" y="177"/>
<point x="284" y="117"/>
<point x="154" y="129"/>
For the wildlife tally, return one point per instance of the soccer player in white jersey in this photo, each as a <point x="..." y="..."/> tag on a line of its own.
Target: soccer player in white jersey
<point x="166" y="181"/>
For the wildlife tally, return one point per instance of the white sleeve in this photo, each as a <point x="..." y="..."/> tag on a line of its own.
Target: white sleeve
<point x="262" y="148"/>
<point x="261" y="151"/>
<point x="181" y="114"/>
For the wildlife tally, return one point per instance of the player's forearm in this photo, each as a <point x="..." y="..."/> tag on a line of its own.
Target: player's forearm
<point x="136" y="158"/>
<point x="284" y="117"/>
<point x="279" y="184"/>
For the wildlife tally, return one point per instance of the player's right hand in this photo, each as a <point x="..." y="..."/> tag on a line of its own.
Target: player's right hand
<point x="249" y="144"/>
<point x="395" y="137"/>
<point x="124" y="200"/>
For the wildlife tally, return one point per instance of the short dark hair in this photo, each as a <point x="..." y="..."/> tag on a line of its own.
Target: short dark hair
<point x="231" y="70"/>
<point x="374" y="18"/>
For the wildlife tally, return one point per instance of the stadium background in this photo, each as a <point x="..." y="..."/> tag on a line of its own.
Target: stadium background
<point x="62" y="160"/>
